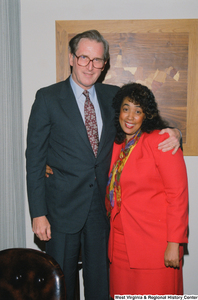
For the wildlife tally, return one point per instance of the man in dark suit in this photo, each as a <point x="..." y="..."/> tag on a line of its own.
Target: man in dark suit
<point x="68" y="209"/>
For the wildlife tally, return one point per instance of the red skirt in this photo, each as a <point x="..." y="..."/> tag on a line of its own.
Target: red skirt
<point x="127" y="281"/>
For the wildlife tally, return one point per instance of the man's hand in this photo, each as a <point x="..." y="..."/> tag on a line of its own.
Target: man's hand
<point x="48" y="171"/>
<point x="171" y="255"/>
<point x="173" y="142"/>
<point x="41" y="227"/>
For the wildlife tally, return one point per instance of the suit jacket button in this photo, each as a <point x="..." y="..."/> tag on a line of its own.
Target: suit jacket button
<point x="91" y="185"/>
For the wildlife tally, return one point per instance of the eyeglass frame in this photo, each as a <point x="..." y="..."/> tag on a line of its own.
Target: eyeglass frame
<point x="89" y="61"/>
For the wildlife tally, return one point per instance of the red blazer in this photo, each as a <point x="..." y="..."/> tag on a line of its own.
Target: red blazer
<point x="154" y="207"/>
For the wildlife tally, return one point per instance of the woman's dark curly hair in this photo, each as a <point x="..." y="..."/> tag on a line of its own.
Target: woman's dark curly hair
<point x="141" y="95"/>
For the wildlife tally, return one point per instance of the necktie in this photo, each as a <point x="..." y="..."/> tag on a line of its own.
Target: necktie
<point x="91" y="123"/>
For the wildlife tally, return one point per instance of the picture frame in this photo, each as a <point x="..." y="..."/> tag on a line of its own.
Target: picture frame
<point x="162" y="54"/>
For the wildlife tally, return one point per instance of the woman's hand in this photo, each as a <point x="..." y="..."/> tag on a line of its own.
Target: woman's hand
<point x="48" y="171"/>
<point x="171" y="255"/>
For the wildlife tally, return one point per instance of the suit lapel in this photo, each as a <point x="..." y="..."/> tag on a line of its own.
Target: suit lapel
<point x="105" y="112"/>
<point x="70" y="107"/>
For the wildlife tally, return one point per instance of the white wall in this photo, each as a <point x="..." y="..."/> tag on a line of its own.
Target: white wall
<point x="39" y="69"/>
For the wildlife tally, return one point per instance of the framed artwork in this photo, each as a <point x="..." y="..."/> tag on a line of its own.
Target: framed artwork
<point x="161" y="54"/>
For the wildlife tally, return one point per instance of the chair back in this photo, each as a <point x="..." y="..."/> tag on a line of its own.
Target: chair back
<point x="28" y="274"/>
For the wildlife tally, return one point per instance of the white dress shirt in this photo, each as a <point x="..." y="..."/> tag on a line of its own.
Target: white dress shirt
<point x="80" y="99"/>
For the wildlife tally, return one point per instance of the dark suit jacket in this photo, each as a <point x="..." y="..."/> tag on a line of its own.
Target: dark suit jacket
<point x="57" y="137"/>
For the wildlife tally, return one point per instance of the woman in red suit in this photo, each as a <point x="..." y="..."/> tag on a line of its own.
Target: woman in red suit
<point x="147" y="201"/>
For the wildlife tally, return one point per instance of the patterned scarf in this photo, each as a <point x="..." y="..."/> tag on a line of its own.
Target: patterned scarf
<point x="113" y="191"/>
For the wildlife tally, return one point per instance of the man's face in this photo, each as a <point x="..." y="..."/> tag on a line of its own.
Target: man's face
<point x="85" y="77"/>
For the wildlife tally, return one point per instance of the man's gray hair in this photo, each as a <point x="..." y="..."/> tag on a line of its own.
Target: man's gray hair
<point x="91" y="35"/>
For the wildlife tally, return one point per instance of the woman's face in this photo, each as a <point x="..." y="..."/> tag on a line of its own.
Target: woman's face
<point x="131" y="117"/>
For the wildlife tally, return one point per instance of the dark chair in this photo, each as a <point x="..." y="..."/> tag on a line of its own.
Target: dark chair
<point x="27" y="274"/>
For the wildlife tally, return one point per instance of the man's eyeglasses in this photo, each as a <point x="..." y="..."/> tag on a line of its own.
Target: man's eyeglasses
<point x="83" y="61"/>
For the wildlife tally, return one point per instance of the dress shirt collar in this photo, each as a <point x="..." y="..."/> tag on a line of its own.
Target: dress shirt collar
<point x="78" y="90"/>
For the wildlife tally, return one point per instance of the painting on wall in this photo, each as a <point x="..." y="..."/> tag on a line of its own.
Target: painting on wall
<point x="160" y="54"/>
